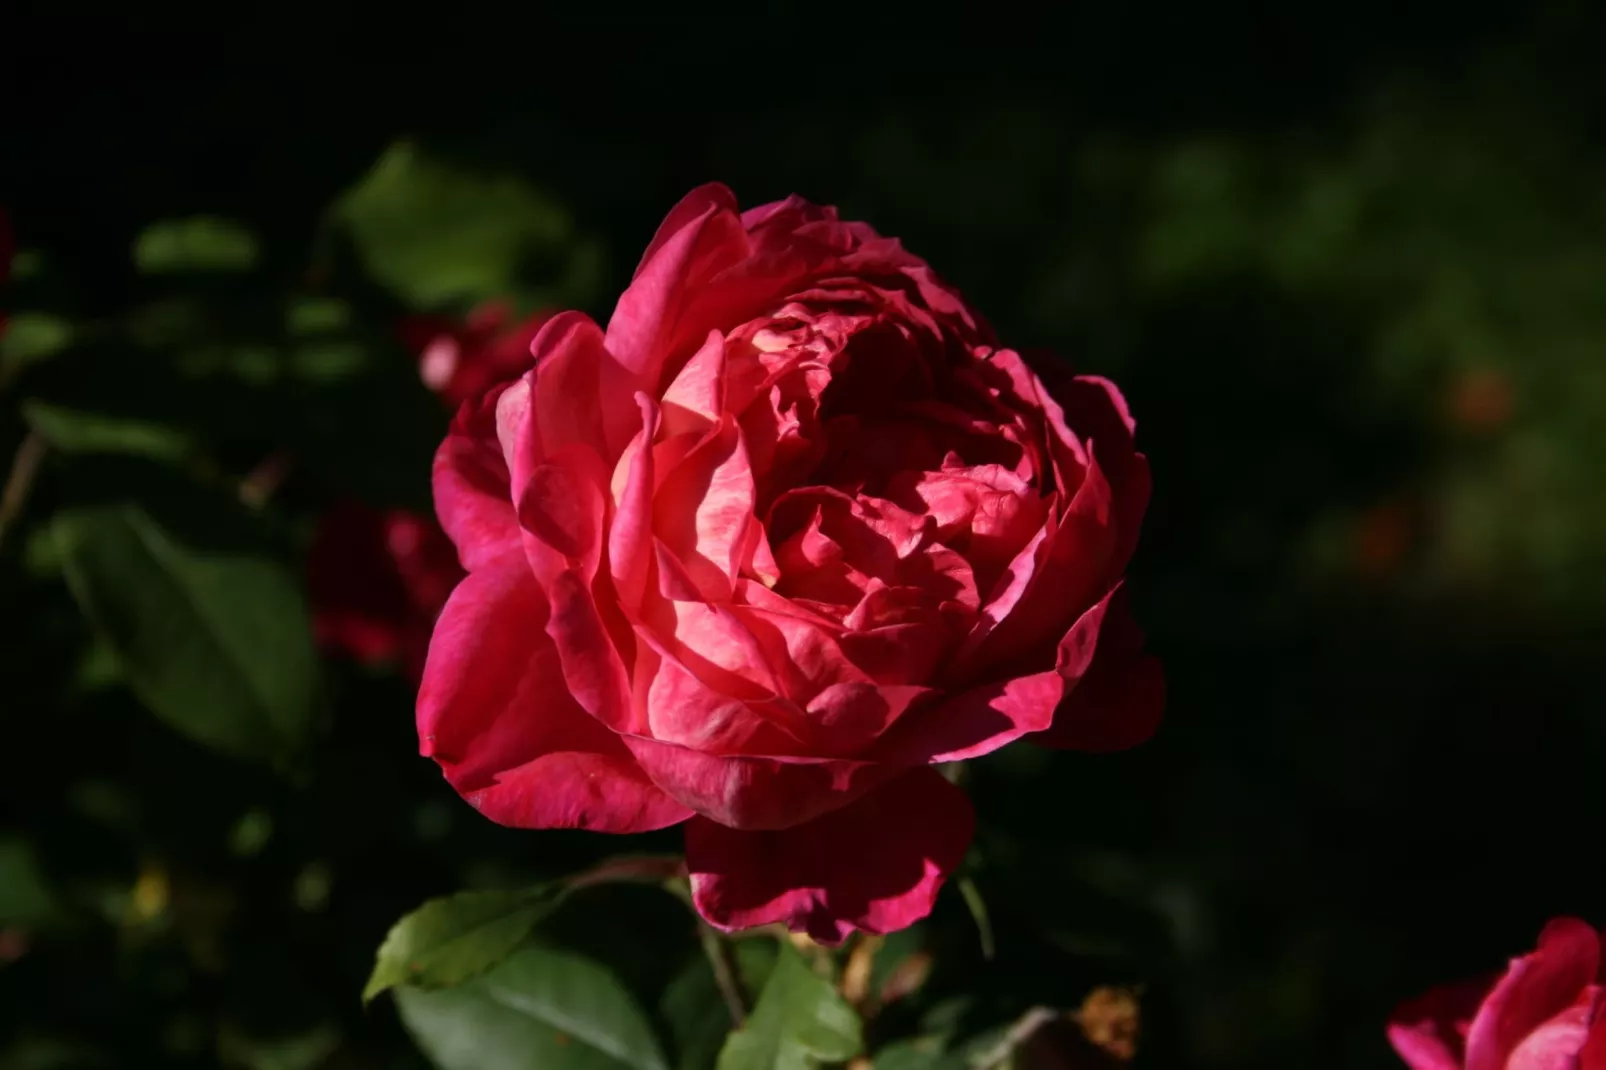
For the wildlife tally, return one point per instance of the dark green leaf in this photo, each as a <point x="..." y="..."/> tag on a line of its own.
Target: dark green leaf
<point x="449" y="940"/>
<point x="212" y="636"/>
<point x="799" y="1022"/>
<point x="74" y="431"/>
<point x="539" y="1008"/>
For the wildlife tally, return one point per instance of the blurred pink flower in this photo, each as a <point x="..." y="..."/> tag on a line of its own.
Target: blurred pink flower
<point x="379" y="577"/>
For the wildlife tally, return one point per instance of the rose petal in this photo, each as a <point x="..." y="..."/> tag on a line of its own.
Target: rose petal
<point x="874" y="866"/>
<point x="696" y="398"/>
<point x="582" y="394"/>
<point x="1046" y="583"/>
<point x="1119" y="700"/>
<point x="592" y="667"/>
<point x="1535" y="988"/>
<point x="1593" y="1055"/>
<point x="1555" y="1045"/>
<point x="1429" y="1032"/>
<point x="755" y="792"/>
<point x="494" y="713"/>
<point x="701" y="236"/>
<point x="703" y="509"/>
<point x="980" y="720"/>
<point x="473" y="498"/>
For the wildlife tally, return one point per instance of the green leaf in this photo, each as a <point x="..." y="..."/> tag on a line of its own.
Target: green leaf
<point x="201" y="244"/>
<point x="691" y="1004"/>
<point x="438" y="235"/>
<point x="798" y="1023"/>
<point x="210" y="629"/>
<point x="539" y="1008"/>
<point x="74" y="431"/>
<point x="449" y="940"/>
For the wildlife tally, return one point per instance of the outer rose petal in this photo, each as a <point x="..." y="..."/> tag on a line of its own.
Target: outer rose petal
<point x="1120" y="699"/>
<point x="495" y="714"/>
<point x="472" y="491"/>
<point x="873" y="866"/>
<point x="1537" y="987"/>
<point x="701" y="236"/>
<point x="748" y="792"/>
<point x="986" y="717"/>
<point x="1429" y="1032"/>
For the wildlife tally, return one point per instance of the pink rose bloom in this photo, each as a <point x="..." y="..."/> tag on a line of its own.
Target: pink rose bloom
<point x="790" y="531"/>
<point x="1544" y="1013"/>
<point x="378" y="578"/>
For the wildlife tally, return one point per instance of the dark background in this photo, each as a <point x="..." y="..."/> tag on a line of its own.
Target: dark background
<point x="1347" y="263"/>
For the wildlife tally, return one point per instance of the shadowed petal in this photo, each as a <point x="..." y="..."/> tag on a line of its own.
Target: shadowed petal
<point x="495" y="714"/>
<point x="874" y="866"/>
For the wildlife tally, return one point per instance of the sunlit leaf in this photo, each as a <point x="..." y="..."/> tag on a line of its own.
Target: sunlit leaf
<point x="539" y="1008"/>
<point x="438" y="234"/>
<point x="798" y="1023"/>
<point x="449" y="940"/>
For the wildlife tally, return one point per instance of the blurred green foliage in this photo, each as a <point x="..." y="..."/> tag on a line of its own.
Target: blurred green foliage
<point x="1345" y="263"/>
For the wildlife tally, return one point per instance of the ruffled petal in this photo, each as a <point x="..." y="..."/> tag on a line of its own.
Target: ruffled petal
<point x="1119" y="700"/>
<point x="756" y="792"/>
<point x="495" y="714"/>
<point x="874" y="866"/>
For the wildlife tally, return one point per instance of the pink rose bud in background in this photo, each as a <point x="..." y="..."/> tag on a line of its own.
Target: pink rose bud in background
<point x="1543" y="1013"/>
<point x="791" y="530"/>
<point x="461" y="361"/>
<point x="378" y="578"/>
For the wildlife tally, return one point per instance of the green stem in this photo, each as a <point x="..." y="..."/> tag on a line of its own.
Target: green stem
<point x="723" y="962"/>
<point x="24" y="468"/>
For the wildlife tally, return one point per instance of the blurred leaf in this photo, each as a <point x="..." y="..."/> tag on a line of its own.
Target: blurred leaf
<point x="539" y="1008"/>
<point x="31" y="336"/>
<point x="798" y="1023"/>
<point x="297" y="1051"/>
<point x="25" y="896"/>
<point x="449" y="940"/>
<point x="201" y="244"/>
<point x="696" y="1013"/>
<point x="74" y="431"/>
<point x="214" y="639"/>
<point x="53" y="1053"/>
<point x="437" y="235"/>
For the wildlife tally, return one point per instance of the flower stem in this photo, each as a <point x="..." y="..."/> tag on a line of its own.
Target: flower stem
<point x="24" y="467"/>
<point x="723" y="962"/>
